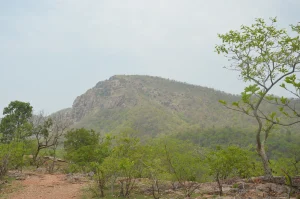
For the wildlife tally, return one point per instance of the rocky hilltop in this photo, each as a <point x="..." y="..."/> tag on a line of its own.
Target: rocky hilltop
<point x="151" y="105"/>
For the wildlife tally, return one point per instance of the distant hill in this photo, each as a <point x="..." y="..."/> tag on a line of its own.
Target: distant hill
<point x="152" y="105"/>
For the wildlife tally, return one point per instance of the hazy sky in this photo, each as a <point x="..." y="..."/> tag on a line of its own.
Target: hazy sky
<point x="52" y="51"/>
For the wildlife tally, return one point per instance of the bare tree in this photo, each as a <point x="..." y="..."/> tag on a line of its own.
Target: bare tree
<point x="43" y="135"/>
<point x="60" y="125"/>
<point x="47" y="130"/>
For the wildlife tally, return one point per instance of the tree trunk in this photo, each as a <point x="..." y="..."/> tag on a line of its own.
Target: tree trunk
<point x="219" y="185"/>
<point x="101" y="182"/>
<point x="34" y="159"/>
<point x="155" y="189"/>
<point x="101" y="192"/>
<point x="122" y="195"/>
<point x="265" y="160"/>
<point x="113" y="180"/>
<point x="261" y="145"/>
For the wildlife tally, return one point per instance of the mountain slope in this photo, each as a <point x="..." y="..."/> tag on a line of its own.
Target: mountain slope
<point x="152" y="105"/>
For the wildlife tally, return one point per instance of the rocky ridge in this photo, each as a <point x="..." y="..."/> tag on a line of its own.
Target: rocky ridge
<point x="152" y="104"/>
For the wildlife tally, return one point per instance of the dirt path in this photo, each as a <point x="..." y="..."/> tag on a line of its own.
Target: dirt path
<point x="47" y="186"/>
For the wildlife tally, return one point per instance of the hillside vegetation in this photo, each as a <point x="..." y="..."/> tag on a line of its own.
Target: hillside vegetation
<point x="152" y="105"/>
<point x="155" y="106"/>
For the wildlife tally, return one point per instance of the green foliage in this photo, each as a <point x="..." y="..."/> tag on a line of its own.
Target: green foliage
<point x="153" y="161"/>
<point x="282" y="143"/>
<point x="290" y="166"/>
<point x="78" y="138"/>
<point x="83" y="147"/>
<point x="13" y="155"/>
<point x="15" y="129"/>
<point x="264" y="56"/>
<point x="4" y="160"/>
<point x="213" y="137"/>
<point x="124" y="161"/>
<point x="183" y="163"/>
<point x="153" y="166"/>
<point x="87" y="150"/>
<point x="15" y="123"/>
<point x="182" y="159"/>
<point x="230" y="162"/>
<point x="126" y="154"/>
<point x="16" y="151"/>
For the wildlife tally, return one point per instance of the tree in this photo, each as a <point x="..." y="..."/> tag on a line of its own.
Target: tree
<point x="59" y="126"/>
<point x="87" y="150"/>
<point x="154" y="167"/>
<point x="4" y="160"/>
<point x="15" y="127"/>
<point x="266" y="58"/>
<point x="183" y="164"/>
<point x="15" y="124"/>
<point x="101" y="175"/>
<point x="229" y="162"/>
<point x="43" y="135"/>
<point x="124" y="161"/>
<point x="82" y="146"/>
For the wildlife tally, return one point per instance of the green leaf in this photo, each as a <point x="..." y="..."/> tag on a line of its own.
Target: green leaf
<point x="283" y="100"/>
<point x="270" y="97"/>
<point x="223" y="102"/>
<point x="235" y="104"/>
<point x="272" y="115"/>
<point x="282" y="85"/>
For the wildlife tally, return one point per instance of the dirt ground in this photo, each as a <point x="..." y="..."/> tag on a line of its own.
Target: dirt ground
<point x="46" y="186"/>
<point x="32" y="185"/>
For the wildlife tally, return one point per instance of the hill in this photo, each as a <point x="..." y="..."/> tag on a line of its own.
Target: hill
<point x="152" y="105"/>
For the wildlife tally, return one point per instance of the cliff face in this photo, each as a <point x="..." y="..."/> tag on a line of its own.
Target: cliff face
<point x="151" y="105"/>
<point x="107" y="94"/>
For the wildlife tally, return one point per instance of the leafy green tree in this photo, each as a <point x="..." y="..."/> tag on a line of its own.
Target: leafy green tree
<point x="290" y="166"/>
<point x="107" y="172"/>
<point x="101" y="172"/>
<point x="4" y="160"/>
<point x="229" y="162"/>
<point x="87" y="150"/>
<point x="82" y="146"/>
<point x="287" y="164"/>
<point x="15" y="128"/>
<point x="154" y="167"/>
<point x="100" y="178"/>
<point x="124" y="161"/>
<point x="13" y="156"/>
<point x="15" y="124"/>
<point x="264" y="56"/>
<point x="183" y="163"/>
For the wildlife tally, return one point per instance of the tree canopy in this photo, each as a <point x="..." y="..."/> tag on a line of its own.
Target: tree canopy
<point x="15" y="124"/>
<point x="265" y="57"/>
